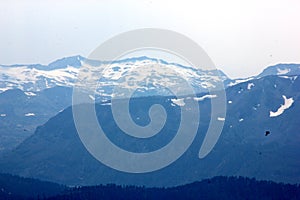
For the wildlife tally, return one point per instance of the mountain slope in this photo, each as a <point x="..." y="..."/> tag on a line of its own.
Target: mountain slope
<point x="21" y="112"/>
<point x="56" y="153"/>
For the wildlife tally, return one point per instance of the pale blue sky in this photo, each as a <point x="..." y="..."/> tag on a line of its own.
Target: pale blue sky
<point x="241" y="37"/>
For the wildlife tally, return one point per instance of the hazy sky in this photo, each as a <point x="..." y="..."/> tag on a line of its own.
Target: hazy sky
<point x="241" y="37"/>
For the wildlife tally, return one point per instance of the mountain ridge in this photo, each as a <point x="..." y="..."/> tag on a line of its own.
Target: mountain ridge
<point x="67" y="69"/>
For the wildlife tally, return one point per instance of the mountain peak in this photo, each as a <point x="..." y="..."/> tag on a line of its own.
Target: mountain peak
<point x="74" y="61"/>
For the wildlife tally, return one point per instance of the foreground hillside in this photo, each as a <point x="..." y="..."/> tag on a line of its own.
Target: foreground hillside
<point x="215" y="188"/>
<point x="17" y="188"/>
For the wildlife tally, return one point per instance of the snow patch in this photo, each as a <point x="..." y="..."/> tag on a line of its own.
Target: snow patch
<point x="30" y="93"/>
<point x="92" y="97"/>
<point x="250" y="85"/>
<point x="179" y="102"/>
<point x="292" y="78"/>
<point x="207" y="84"/>
<point x="282" y="71"/>
<point x="221" y="118"/>
<point x="208" y="96"/>
<point x="4" y="89"/>
<point x="106" y="104"/>
<point x="230" y="102"/>
<point x="29" y="114"/>
<point x="240" y="120"/>
<point x="288" y="102"/>
<point x="237" y="81"/>
<point x="286" y="77"/>
<point x="2" y="115"/>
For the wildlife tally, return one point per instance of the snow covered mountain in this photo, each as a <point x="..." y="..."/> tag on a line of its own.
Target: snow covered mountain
<point x="64" y="72"/>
